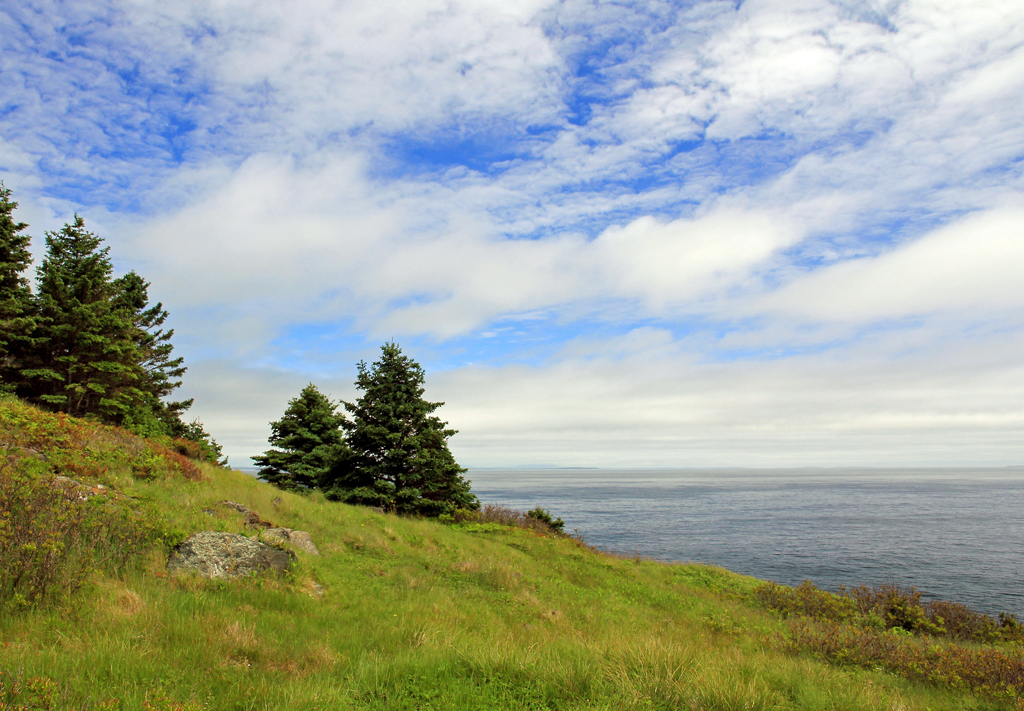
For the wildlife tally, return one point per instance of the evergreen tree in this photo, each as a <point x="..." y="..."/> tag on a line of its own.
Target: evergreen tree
<point x="310" y="439"/>
<point x="399" y="457"/>
<point x="209" y="450"/>
<point x="153" y="344"/>
<point x="86" y="360"/>
<point x="15" y="296"/>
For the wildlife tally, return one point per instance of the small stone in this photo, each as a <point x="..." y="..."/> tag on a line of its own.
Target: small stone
<point x="299" y="539"/>
<point x="303" y="541"/>
<point x="252" y="519"/>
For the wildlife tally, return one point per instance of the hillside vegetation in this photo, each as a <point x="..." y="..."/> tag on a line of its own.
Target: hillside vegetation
<point x="395" y="613"/>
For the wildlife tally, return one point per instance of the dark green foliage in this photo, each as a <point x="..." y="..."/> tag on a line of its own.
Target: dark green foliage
<point x="15" y="296"/>
<point x="399" y="457"/>
<point x="160" y="372"/>
<point x="896" y="607"/>
<point x="87" y="361"/>
<point x="310" y="440"/>
<point x="86" y="344"/>
<point x="544" y="516"/>
<point x="209" y="450"/>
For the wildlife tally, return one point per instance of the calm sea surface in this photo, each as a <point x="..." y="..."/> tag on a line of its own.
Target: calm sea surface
<point x="955" y="534"/>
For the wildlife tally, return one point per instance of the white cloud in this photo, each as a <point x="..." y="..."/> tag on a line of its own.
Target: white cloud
<point x="296" y="243"/>
<point x="663" y="406"/>
<point x="253" y="160"/>
<point x="972" y="267"/>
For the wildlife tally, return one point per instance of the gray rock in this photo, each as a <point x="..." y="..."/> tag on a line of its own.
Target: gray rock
<point x="300" y="539"/>
<point x="252" y="519"/>
<point x="235" y="505"/>
<point x="214" y="554"/>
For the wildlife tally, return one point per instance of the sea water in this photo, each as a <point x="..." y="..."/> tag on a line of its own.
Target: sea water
<point x="954" y="534"/>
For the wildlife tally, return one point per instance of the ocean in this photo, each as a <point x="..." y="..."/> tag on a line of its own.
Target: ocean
<point x="954" y="534"/>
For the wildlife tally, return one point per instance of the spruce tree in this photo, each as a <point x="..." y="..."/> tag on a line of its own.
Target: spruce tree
<point x="159" y="369"/>
<point x="310" y="439"/>
<point x="86" y="360"/>
<point x="399" y="457"/>
<point x="15" y="296"/>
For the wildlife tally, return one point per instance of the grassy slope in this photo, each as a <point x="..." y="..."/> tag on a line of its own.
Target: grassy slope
<point x="415" y="615"/>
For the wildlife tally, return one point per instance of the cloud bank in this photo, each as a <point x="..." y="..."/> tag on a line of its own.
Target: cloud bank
<point x="624" y="234"/>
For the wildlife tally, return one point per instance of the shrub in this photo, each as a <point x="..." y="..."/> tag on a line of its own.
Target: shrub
<point x="54" y="535"/>
<point x="537" y="520"/>
<point x="806" y="600"/>
<point x="544" y="516"/>
<point x="20" y="693"/>
<point x="889" y="607"/>
<point x="897" y="607"/>
<point x="882" y="626"/>
<point x="992" y="672"/>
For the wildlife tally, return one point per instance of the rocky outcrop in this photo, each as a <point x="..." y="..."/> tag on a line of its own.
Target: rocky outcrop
<point x="300" y="539"/>
<point x="252" y="519"/>
<point x="214" y="554"/>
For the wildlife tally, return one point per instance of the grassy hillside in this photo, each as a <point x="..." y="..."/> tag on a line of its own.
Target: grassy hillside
<point x="394" y="614"/>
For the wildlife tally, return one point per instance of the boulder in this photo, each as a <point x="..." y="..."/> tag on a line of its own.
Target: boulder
<point x="300" y="539"/>
<point x="215" y="554"/>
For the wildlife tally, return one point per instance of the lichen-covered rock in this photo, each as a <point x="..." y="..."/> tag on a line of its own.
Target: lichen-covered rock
<point x="300" y="539"/>
<point x="215" y="554"/>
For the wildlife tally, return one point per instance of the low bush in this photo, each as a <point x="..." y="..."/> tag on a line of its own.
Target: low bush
<point x="537" y="520"/>
<point x="806" y="599"/>
<point x="896" y="607"/>
<point x="544" y="516"/>
<point x="87" y="450"/>
<point x="54" y="533"/>
<point x="992" y="672"/>
<point x="889" y="626"/>
<point x="890" y="607"/>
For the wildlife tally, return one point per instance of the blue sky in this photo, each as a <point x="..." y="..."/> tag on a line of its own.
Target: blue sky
<point x="762" y="233"/>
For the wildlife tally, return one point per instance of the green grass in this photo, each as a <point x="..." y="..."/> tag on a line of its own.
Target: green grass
<point x="414" y="615"/>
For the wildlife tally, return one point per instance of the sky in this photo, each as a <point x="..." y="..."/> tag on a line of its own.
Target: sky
<point x="760" y="233"/>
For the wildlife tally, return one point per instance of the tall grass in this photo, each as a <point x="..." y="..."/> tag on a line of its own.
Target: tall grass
<point x="400" y="613"/>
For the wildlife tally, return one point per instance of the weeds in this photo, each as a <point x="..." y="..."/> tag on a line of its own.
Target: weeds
<point x="890" y="607"/>
<point x="992" y="672"/>
<point x="889" y="626"/>
<point x="85" y="450"/>
<point x="19" y="692"/>
<point x="409" y="614"/>
<point x="486" y="518"/>
<point x="53" y="534"/>
<point x="806" y="600"/>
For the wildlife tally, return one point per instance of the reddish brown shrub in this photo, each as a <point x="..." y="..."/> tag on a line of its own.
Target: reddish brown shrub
<point x="993" y="672"/>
